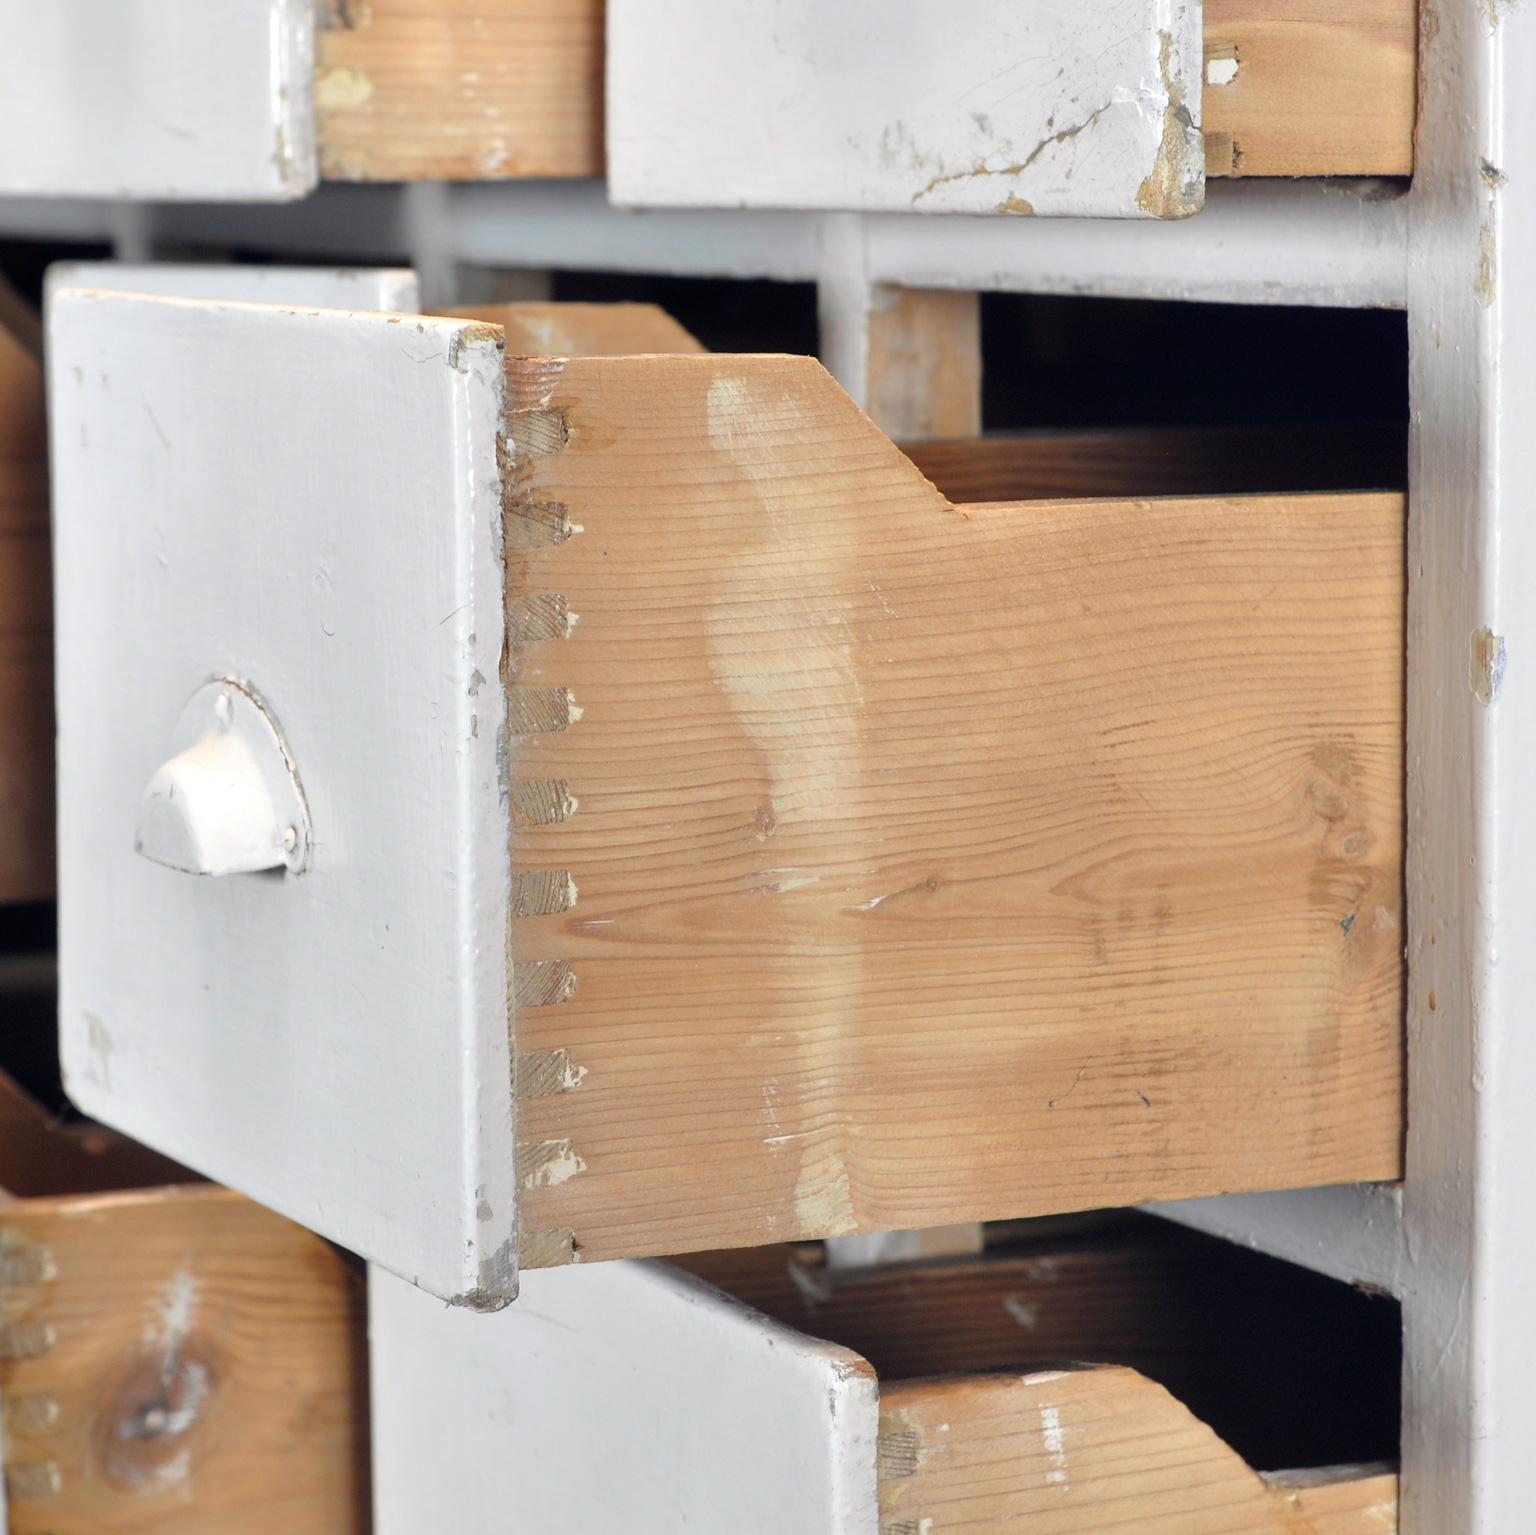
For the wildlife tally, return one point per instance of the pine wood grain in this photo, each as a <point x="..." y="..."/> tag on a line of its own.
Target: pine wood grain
<point x="1086" y="1452"/>
<point x="1166" y="461"/>
<point x="583" y="330"/>
<point x="880" y="864"/>
<point x="26" y="632"/>
<point x="179" y="1361"/>
<point x="1323" y="87"/>
<point x="925" y="363"/>
<point x="459" y="90"/>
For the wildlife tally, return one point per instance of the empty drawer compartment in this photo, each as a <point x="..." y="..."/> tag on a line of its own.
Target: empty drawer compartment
<point x="665" y="822"/>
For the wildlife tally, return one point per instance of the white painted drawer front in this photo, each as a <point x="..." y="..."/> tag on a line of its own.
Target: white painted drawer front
<point x="615" y="1396"/>
<point x="937" y="106"/>
<point x="306" y="503"/>
<point x="158" y="98"/>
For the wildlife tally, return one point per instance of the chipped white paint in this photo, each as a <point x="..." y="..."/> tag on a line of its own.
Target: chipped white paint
<point x="390" y="288"/>
<point x="615" y="1396"/>
<point x="1082" y="107"/>
<point x="1220" y="71"/>
<point x="239" y="490"/>
<point x="158" y="98"/>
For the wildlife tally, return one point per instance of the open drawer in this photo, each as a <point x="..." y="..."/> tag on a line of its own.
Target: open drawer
<point x="1118" y="108"/>
<point x="931" y="1398"/>
<point x="638" y="813"/>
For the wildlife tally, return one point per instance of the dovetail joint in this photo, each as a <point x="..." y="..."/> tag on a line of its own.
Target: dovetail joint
<point x="542" y="983"/>
<point x="546" y="1249"/>
<point x="25" y="1265"/>
<point x="540" y="711"/>
<point x="542" y="801"/>
<point x="25" y="1340"/>
<point x="898" y="1454"/>
<point x="541" y="616"/>
<point x="542" y="892"/>
<point x="547" y="1164"/>
<point x="40" y="1480"/>
<point x="31" y="1412"/>
<point x="543" y="1073"/>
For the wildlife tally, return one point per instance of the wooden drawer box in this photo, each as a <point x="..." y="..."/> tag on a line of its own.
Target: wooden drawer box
<point x="630" y="1395"/>
<point x="875" y="862"/>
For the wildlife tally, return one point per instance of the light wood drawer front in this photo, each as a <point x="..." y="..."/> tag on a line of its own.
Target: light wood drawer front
<point x="875" y="862"/>
<point x="758" y="1423"/>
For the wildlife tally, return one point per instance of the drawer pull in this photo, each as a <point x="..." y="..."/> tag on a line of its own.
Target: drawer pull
<point x="229" y="800"/>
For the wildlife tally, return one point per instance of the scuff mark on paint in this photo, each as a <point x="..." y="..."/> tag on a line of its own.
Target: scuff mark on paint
<point x="1487" y="671"/>
<point x="1484" y="281"/>
<point x="99" y="1039"/>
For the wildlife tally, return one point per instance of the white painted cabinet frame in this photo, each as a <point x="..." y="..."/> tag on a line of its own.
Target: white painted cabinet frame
<point x="1460" y="253"/>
